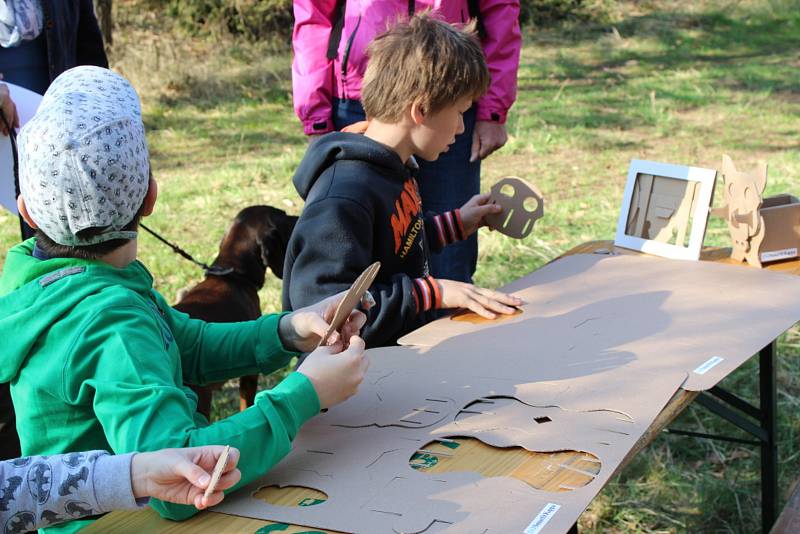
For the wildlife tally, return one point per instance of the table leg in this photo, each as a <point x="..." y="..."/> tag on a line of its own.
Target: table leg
<point x="769" y="446"/>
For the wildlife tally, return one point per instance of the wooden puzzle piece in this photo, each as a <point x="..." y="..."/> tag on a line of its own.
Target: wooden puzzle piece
<point x="515" y="220"/>
<point x="351" y="300"/>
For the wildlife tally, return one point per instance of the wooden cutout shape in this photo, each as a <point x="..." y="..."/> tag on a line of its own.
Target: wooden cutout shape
<point x="659" y="202"/>
<point x="217" y="473"/>
<point x="744" y="196"/>
<point x="351" y="300"/>
<point x="514" y="220"/>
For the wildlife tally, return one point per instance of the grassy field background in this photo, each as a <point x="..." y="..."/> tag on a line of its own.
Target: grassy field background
<point x="679" y="82"/>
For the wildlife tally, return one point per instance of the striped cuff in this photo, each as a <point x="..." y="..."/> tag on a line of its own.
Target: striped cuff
<point x="449" y="227"/>
<point x="427" y="294"/>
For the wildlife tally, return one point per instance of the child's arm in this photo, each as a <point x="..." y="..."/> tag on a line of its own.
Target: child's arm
<point x="135" y="393"/>
<point x="214" y="352"/>
<point x="39" y="491"/>
<point x="459" y="224"/>
<point x="331" y="245"/>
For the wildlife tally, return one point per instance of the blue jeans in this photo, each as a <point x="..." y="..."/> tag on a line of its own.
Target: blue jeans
<point x="445" y="184"/>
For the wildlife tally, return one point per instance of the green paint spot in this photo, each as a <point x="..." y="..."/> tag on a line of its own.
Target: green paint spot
<point x="423" y="461"/>
<point x="310" y="501"/>
<point x="450" y="444"/>
<point x="279" y="527"/>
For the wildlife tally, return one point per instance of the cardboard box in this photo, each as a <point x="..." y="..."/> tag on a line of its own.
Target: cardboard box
<point x="781" y="215"/>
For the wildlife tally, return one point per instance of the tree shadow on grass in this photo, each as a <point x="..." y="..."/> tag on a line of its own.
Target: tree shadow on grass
<point x="629" y="77"/>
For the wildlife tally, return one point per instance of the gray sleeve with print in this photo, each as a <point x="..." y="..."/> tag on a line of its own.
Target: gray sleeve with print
<point x="39" y="491"/>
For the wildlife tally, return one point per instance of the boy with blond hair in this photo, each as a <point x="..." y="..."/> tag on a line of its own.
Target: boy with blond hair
<point x="362" y="200"/>
<point x="96" y="358"/>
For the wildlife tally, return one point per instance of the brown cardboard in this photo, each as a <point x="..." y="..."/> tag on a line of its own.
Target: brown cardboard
<point x="515" y="220"/>
<point x="357" y="453"/>
<point x="351" y="300"/>
<point x="591" y="312"/>
<point x="601" y="346"/>
<point x="781" y="217"/>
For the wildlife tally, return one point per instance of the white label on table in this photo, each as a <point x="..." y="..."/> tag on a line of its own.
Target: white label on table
<point x="708" y="365"/>
<point x="541" y="520"/>
<point x="784" y="254"/>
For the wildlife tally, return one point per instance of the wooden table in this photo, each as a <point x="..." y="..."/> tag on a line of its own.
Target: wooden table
<point x="547" y="471"/>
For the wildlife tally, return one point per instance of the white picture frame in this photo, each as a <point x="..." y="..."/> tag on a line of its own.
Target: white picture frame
<point x="705" y="180"/>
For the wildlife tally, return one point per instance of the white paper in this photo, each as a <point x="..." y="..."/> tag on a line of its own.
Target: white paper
<point x="708" y="365"/>
<point x="541" y="520"/>
<point x="27" y="103"/>
<point x="784" y="254"/>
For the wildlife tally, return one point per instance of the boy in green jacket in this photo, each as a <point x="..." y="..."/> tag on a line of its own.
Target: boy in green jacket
<point x="95" y="356"/>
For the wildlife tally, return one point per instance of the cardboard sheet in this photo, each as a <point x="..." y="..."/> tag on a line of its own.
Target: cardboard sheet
<point x="587" y="313"/>
<point x="358" y="452"/>
<point x="601" y="346"/>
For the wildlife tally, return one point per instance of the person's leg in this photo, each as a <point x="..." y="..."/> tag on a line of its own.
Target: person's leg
<point x="446" y="184"/>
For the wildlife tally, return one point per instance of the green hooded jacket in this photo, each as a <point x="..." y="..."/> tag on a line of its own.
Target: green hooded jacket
<point x="97" y="359"/>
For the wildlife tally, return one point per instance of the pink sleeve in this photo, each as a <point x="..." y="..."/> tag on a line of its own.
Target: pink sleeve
<point x="502" y="47"/>
<point x="312" y="71"/>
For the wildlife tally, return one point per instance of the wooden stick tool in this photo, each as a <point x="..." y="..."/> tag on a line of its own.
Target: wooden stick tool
<point x="217" y="473"/>
<point x="351" y="300"/>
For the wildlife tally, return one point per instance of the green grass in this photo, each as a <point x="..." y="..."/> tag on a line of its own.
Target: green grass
<point x="680" y="82"/>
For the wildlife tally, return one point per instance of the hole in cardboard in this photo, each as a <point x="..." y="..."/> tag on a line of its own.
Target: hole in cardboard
<point x="508" y="190"/>
<point x="530" y="204"/>
<point x="661" y="209"/>
<point x="542" y="419"/>
<point x="548" y="471"/>
<point x="468" y="316"/>
<point x="290" y="495"/>
<point x="508" y="218"/>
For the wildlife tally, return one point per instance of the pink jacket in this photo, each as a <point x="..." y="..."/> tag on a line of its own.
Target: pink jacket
<point x="316" y="80"/>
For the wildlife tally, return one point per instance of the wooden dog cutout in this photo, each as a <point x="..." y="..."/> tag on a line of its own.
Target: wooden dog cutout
<point x="256" y="239"/>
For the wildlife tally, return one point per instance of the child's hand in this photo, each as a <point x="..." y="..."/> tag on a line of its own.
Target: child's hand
<point x="484" y="302"/>
<point x="474" y="211"/>
<point x="302" y="329"/>
<point x="182" y="475"/>
<point x="336" y="377"/>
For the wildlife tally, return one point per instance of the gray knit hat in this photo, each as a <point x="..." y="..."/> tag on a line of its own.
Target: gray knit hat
<point x="83" y="157"/>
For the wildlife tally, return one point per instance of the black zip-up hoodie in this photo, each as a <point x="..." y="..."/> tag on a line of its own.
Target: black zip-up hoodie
<point x="362" y="205"/>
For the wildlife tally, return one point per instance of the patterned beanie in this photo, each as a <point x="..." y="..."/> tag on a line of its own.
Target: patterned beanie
<point x="83" y="157"/>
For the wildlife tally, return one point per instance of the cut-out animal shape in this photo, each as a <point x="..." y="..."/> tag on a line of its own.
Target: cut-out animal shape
<point x="256" y="239"/>
<point x="743" y="193"/>
<point x="522" y="203"/>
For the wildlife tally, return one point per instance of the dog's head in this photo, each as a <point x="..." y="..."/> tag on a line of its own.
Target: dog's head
<point x="257" y="239"/>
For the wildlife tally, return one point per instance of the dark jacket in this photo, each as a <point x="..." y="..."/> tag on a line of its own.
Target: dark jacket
<point x="362" y="206"/>
<point x="73" y="35"/>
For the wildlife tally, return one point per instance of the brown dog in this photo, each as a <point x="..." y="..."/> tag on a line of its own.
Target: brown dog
<point x="256" y="239"/>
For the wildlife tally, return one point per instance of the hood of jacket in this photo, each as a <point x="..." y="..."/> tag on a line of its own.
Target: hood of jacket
<point x="341" y="146"/>
<point x="35" y="293"/>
